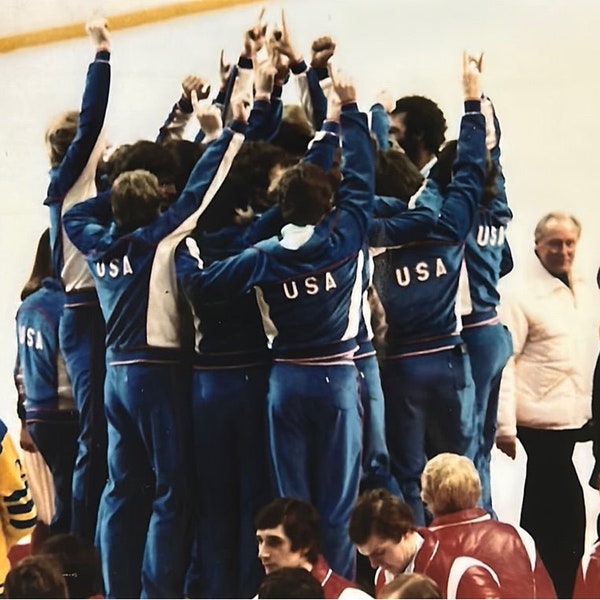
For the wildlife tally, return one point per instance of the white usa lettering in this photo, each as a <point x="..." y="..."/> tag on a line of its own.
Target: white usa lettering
<point x="490" y="235"/>
<point x="30" y="337"/>
<point x="421" y="272"/>
<point x="114" y="268"/>
<point x="310" y="286"/>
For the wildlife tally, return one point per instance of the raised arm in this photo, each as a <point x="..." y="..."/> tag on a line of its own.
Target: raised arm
<point x="383" y="104"/>
<point x="469" y="170"/>
<point x="241" y="74"/>
<point x="356" y="191"/>
<point x="69" y="163"/>
<point x="263" y="121"/>
<point x="175" y="124"/>
<point x="206" y="177"/>
<point x="325" y="145"/>
<point x="312" y="81"/>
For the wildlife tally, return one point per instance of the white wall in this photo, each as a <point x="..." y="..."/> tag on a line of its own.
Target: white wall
<point x="542" y="65"/>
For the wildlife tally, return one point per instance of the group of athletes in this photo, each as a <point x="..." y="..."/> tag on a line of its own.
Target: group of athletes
<point x="268" y="310"/>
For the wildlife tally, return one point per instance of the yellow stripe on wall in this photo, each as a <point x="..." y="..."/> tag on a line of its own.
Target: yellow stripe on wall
<point x="116" y="22"/>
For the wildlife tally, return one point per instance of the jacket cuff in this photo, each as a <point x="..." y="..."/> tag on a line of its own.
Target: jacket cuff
<point x="299" y="67"/>
<point x="238" y="126"/>
<point x="350" y="107"/>
<point x="245" y="63"/>
<point x="472" y="106"/>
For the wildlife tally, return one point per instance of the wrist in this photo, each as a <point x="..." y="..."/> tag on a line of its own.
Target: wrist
<point x="185" y="104"/>
<point x="103" y="46"/>
<point x="262" y="95"/>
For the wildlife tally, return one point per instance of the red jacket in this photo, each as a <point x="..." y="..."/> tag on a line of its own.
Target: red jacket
<point x="333" y="584"/>
<point x="587" y="581"/>
<point x="470" y="555"/>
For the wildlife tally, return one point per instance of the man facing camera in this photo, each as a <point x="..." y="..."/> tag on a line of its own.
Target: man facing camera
<point x="287" y="533"/>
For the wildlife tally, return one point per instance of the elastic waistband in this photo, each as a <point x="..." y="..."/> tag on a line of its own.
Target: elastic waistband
<point x="456" y="349"/>
<point x="485" y="317"/>
<point x="232" y="360"/>
<point x="146" y="354"/>
<point x="332" y="351"/>
<point x="81" y="298"/>
<point x="424" y="345"/>
<point x="365" y="348"/>
<point x="48" y="415"/>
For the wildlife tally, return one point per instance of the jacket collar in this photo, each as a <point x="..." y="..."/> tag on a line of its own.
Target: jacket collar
<point x="546" y="283"/>
<point x="321" y="571"/>
<point x="469" y="515"/>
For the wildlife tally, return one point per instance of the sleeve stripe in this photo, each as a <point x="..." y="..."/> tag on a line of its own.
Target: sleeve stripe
<point x="20" y="509"/>
<point x="28" y="524"/>
<point x="16" y="495"/>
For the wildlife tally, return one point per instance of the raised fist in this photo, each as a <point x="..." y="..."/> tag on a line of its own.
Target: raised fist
<point x="322" y="50"/>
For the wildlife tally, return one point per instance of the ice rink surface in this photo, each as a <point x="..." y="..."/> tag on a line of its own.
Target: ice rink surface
<point x="542" y="71"/>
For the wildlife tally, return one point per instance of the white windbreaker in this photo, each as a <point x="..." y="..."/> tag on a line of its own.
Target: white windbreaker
<point x="547" y="383"/>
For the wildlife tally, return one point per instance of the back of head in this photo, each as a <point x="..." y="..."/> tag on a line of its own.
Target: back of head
<point x="245" y="186"/>
<point x="135" y="199"/>
<point x="37" y="576"/>
<point x="450" y="483"/>
<point x="42" y="266"/>
<point x="396" y="175"/>
<point x="59" y="135"/>
<point x="300" y="522"/>
<point x="186" y="154"/>
<point x="295" y="132"/>
<point x="424" y="121"/>
<point x="290" y="582"/>
<point x="155" y="158"/>
<point x="305" y="194"/>
<point x="411" y="585"/>
<point x="443" y="171"/>
<point x="80" y="563"/>
<point x="378" y="512"/>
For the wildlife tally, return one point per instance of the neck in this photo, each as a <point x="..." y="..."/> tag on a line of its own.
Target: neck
<point x="422" y="157"/>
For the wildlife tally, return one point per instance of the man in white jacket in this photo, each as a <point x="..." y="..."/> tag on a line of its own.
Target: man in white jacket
<point x="545" y="396"/>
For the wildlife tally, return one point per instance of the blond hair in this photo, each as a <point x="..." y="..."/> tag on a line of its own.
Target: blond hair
<point x="59" y="135"/>
<point x="450" y="483"/>
<point x="411" y="585"/>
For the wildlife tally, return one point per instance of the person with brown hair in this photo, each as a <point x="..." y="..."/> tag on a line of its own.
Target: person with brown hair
<point x="288" y="536"/>
<point x="465" y="551"/>
<point x="49" y="412"/>
<point x="36" y="576"/>
<point x="290" y="582"/>
<point x="309" y="280"/>
<point x="129" y="246"/>
<point x="75" y="144"/>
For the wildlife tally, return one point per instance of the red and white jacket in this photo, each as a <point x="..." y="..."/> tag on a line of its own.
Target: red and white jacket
<point x="470" y="555"/>
<point x="334" y="585"/>
<point x="587" y="580"/>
